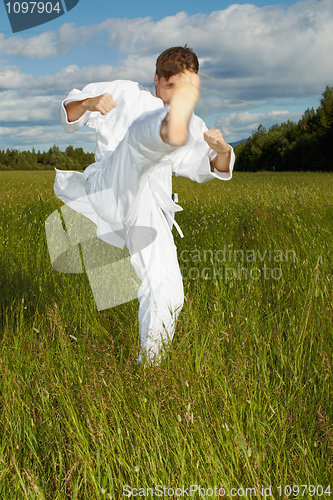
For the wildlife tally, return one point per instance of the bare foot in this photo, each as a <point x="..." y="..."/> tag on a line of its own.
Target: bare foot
<point x="183" y="101"/>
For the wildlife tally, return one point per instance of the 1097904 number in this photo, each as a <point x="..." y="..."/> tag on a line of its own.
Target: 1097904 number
<point x="32" y="7"/>
<point x="303" y="489"/>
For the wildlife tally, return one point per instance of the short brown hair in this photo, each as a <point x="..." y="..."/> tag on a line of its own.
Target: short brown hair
<point x="176" y="60"/>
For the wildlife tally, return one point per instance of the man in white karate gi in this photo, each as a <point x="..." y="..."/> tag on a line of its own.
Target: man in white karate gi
<point x="144" y="137"/>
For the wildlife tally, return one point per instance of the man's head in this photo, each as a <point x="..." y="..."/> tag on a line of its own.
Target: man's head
<point x="169" y="65"/>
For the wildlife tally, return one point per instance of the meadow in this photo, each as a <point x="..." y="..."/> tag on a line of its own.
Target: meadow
<point x="241" y="406"/>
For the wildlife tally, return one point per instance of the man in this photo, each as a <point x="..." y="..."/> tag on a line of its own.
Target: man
<point x="144" y="136"/>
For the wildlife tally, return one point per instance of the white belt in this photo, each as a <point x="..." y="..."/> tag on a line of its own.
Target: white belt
<point x="167" y="205"/>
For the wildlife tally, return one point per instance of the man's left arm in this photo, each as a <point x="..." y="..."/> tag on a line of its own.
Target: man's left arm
<point x="216" y="142"/>
<point x="206" y="156"/>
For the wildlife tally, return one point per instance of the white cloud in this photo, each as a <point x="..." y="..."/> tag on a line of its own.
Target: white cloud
<point x="10" y="77"/>
<point x="36" y="47"/>
<point x="43" y="137"/>
<point x="249" y="54"/>
<point x="241" y="125"/>
<point x="269" y="37"/>
<point x="18" y="108"/>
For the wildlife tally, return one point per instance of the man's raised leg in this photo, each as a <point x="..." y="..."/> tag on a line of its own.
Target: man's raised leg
<point x="174" y="129"/>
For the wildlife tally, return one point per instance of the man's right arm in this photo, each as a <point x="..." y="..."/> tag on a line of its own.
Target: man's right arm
<point x="102" y="104"/>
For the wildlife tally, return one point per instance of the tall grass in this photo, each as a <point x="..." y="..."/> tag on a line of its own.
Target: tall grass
<point x="244" y="397"/>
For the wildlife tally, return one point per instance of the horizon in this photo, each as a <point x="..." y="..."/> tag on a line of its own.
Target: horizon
<point x="259" y="63"/>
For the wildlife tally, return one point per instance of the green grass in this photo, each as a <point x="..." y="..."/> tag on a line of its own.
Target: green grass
<point x="244" y="398"/>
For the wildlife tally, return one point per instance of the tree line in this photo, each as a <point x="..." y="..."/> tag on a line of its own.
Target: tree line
<point x="302" y="146"/>
<point x="70" y="159"/>
<point x="306" y="145"/>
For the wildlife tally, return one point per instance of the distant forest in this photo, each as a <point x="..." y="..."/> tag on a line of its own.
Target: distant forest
<point x="306" y="145"/>
<point x="302" y="146"/>
<point x="71" y="159"/>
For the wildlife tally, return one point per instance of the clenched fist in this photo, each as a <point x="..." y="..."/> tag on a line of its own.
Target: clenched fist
<point x="215" y="141"/>
<point x="102" y="103"/>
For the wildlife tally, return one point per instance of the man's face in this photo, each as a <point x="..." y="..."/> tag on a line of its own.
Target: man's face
<point x="165" y="88"/>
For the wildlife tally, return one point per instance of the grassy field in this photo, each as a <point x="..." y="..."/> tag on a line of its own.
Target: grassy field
<point x="244" y="398"/>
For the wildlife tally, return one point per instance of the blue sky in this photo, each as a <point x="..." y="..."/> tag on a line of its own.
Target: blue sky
<point x="261" y="63"/>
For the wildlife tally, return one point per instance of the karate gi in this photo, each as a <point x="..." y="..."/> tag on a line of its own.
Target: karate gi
<point x="135" y="166"/>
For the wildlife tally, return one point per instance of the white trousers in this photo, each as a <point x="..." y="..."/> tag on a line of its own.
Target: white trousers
<point x="161" y="294"/>
<point x="126" y="171"/>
